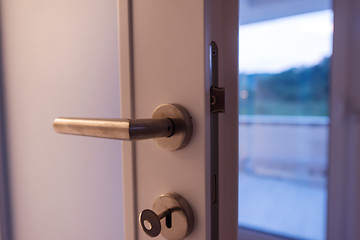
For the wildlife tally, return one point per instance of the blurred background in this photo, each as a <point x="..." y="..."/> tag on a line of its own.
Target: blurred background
<point x="285" y="50"/>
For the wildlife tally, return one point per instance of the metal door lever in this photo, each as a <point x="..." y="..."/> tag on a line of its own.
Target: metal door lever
<point x="170" y="126"/>
<point x="122" y="129"/>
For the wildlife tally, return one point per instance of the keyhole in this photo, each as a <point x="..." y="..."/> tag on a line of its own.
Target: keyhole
<point x="168" y="222"/>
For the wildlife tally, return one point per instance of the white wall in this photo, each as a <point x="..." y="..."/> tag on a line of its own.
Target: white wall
<point x="61" y="59"/>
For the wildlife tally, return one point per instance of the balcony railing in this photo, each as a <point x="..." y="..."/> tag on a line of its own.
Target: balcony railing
<point x="293" y="147"/>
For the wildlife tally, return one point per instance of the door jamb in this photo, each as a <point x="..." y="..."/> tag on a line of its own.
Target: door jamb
<point x="344" y="180"/>
<point x="5" y="217"/>
<point x="127" y="110"/>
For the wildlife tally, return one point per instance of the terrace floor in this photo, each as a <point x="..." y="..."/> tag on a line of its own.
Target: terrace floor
<point x="288" y="208"/>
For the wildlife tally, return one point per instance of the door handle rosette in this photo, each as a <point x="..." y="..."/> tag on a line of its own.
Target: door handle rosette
<point x="170" y="127"/>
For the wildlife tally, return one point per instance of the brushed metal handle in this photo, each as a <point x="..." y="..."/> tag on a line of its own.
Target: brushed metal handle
<point x="170" y="126"/>
<point x="122" y="129"/>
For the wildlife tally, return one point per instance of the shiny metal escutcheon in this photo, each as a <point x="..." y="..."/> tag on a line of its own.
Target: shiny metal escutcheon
<point x="170" y="127"/>
<point x="171" y="216"/>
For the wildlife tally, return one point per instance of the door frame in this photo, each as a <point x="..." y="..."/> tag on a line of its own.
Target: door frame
<point x="344" y="179"/>
<point x="127" y="109"/>
<point x="5" y="217"/>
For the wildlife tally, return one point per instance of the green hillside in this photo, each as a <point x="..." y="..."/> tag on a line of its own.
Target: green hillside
<point x="297" y="91"/>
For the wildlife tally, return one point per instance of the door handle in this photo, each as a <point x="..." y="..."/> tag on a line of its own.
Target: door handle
<point x="170" y="127"/>
<point x="122" y="129"/>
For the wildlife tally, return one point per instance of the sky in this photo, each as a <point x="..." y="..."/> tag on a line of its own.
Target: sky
<point x="276" y="45"/>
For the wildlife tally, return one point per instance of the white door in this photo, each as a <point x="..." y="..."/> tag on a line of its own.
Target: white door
<point x="165" y="58"/>
<point x="59" y="55"/>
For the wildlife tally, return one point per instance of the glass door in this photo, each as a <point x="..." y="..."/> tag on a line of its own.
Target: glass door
<point x="285" y="50"/>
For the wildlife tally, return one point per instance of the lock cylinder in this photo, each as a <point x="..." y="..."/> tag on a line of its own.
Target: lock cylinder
<point x="171" y="216"/>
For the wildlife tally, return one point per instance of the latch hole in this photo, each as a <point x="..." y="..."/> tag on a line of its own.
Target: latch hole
<point x="168" y="221"/>
<point x="213" y="51"/>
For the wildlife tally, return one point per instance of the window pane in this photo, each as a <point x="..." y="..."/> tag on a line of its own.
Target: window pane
<point x="284" y="66"/>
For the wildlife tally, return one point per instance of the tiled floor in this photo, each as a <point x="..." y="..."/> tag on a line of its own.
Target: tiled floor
<point x="282" y="207"/>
